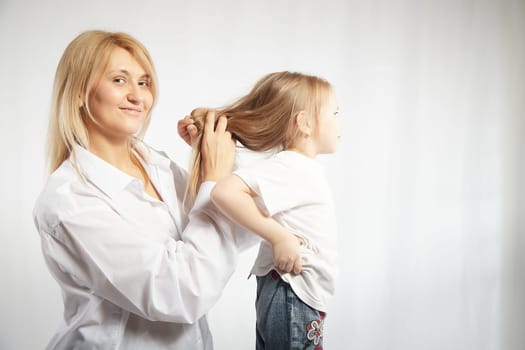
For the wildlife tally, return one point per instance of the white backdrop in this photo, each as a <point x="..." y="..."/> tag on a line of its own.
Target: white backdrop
<point x="427" y="179"/>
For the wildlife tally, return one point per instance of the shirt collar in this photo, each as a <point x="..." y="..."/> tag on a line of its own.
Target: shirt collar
<point x="110" y="179"/>
<point x="150" y="156"/>
<point x="100" y="173"/>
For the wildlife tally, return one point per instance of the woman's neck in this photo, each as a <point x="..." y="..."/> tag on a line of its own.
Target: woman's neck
<point x="115" y="152"/>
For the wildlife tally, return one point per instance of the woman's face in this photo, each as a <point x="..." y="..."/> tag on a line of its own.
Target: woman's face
<point x="121" y="99"/>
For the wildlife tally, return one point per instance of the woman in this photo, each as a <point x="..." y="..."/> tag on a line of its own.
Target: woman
<point x="136" y="271"/>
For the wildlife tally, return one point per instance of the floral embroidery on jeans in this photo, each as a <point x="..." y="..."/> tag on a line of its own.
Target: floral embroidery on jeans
<point x="314" y="332"/>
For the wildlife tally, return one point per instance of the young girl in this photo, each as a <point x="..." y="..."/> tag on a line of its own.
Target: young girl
<point x="284" y="197"/>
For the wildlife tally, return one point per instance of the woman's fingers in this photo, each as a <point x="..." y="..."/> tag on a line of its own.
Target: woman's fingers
<point x="218" y="149"/>
<point x="221" y="124"/>
<point x="187" y="130"/>
<point x="210" y="122"/>
<point x="192" y="132"/>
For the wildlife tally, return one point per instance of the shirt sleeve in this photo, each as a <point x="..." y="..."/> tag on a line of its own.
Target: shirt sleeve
<point x="244" y="239"/>
<point x="173" y="281"/>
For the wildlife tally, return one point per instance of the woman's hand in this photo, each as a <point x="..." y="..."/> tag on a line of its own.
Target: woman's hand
<point x="217" y="149"/>
<point x="187" y="130"/>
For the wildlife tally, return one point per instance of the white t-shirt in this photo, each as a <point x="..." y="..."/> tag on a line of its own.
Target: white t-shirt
<point x="135" y="272"/>
<point x="293" y="189"/>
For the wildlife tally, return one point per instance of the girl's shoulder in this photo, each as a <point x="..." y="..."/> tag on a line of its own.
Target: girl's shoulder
<point x="295" y="160"/>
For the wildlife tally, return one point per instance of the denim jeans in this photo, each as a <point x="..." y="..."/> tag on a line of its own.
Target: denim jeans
<point x="284" y="322"/>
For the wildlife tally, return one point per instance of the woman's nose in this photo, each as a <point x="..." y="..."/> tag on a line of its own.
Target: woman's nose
<point x="135" y="94"/>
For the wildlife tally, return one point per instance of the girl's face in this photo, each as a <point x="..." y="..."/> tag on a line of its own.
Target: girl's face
<point x="328" y="126"/>
<point x="121" y="99"/>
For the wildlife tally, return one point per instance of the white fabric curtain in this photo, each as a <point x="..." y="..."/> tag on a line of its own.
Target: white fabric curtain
<point x="433" y="226"/>
<point x="427" y="179"/>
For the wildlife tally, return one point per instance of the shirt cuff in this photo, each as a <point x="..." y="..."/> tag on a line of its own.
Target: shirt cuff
<point x="203" y="201"/>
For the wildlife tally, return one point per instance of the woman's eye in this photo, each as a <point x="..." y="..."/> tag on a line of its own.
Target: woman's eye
<point x="119" y="80"/>
<point x="144" y="83"/>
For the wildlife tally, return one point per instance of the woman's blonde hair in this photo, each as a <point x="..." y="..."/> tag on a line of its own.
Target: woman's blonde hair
<point x="264" y="119"/>
<point x="83" y="60"/>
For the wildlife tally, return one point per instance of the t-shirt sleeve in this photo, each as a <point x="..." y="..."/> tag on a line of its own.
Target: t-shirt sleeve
<point x="277" y="187"/>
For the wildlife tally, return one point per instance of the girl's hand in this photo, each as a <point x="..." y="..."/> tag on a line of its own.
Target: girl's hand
<point x="187" y="130"/>
<point x="217" y="149"/>
<point x="287" y="254"/>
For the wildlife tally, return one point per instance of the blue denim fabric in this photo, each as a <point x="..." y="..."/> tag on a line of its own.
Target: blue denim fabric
<point x="284" y="322"/>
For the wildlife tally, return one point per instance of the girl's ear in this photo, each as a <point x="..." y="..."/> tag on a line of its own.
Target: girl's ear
<point x="303" y="123"/>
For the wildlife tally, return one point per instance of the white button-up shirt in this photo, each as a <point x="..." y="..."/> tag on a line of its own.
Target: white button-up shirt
<point x="135" y="272"/>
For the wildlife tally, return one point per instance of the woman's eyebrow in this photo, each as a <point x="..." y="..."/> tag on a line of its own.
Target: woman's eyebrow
<point x="126" y="72"/>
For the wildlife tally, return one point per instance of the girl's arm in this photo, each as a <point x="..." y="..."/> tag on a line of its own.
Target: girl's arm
<point x="235" y="200"/>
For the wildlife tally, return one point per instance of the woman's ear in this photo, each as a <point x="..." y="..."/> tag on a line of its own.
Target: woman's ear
<point x="303" y="123"/>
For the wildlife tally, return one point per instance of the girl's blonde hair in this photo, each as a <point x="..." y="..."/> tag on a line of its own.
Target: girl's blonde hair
<point x="264" y="119"/>
<point x="78" y="71"/>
